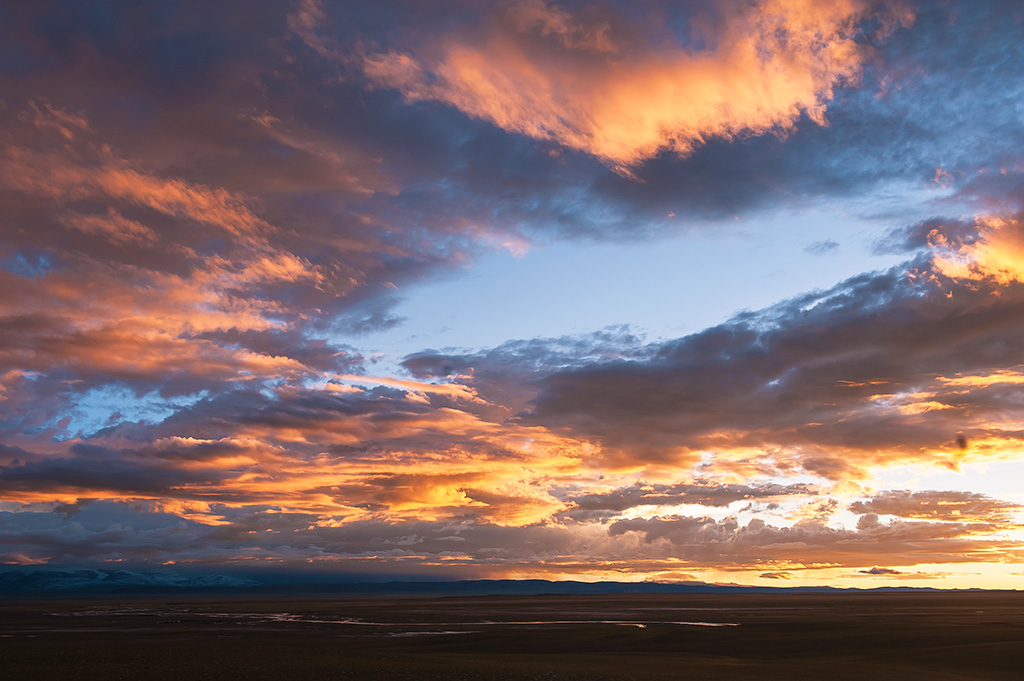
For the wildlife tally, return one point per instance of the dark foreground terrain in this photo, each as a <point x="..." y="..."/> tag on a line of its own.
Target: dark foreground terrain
<point x="905" y="636"/>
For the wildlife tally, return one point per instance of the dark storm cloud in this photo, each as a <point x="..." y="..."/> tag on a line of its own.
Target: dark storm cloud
<point x="104" y="531"/>
<point x="59" y="475"/>
<point x="136" y="472"/>
<point x="70" y="509"/>
<point x="317" y="354"/>
<point x="146" y="534"/>
<point x="508" y="373"/>
<point x="873" y="370"/>
<point x="299" y="410"/>
<point x="915" y="237"/>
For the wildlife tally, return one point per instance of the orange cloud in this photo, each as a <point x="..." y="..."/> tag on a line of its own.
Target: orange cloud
<point x="542" y="72"/>
<point x="961" y="507"/>
<point x="984" y="380"/>
<point x="68" y="124"/>
<point x="114" y="226"/>
<point x="344" y="457"/>
<point x="454" y="390"/>
<point x="996" y="255"/>
<point x="56" y="176"/>
<point x="144" y="317"/>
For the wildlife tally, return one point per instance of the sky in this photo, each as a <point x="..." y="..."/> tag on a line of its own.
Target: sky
<point x="721" y="291"/>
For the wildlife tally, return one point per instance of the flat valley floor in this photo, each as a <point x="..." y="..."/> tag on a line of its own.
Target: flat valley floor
<point x="948" y="636"/>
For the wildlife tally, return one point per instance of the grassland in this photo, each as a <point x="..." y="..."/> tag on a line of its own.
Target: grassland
<point x="946" y="636"/>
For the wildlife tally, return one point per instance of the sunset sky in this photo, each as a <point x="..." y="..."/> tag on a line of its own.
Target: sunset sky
<point x="725" y="291"/>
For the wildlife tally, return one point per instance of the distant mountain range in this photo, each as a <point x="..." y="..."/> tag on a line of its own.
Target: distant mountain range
<point x="104" y="582"/>
<point x="112" y="581"/>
